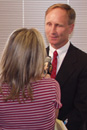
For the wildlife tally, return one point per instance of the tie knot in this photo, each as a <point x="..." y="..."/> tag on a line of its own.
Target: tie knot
<point x="55" y="54"/>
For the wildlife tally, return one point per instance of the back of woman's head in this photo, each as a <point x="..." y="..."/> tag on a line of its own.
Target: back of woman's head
<point x="23" y="58"/>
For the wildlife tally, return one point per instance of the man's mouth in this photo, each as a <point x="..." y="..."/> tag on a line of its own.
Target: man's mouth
<point x="53" y="37"/>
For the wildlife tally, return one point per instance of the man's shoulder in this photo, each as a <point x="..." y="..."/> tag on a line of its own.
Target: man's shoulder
<point x="78" y="54"/>
<point x="47" y="49"/>
<point x="77" y="50"/>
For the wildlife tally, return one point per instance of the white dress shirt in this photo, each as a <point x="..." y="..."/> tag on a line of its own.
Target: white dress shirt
<point x="61" y="54"/>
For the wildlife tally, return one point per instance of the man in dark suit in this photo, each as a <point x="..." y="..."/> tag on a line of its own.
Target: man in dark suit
<point x="71" y="70"/>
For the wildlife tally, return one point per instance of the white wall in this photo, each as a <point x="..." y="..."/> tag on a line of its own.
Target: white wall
<point x="15" y="14"/>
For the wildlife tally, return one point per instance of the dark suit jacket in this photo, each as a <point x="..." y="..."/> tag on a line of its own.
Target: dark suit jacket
<point x="72" y="77"/>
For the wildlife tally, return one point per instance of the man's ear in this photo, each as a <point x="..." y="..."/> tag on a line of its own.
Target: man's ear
<point x="71" y="28"/>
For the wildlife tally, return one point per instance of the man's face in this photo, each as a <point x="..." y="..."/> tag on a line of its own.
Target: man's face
<point x="57" y="28"/>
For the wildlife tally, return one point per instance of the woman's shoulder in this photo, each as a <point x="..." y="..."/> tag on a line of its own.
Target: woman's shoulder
<point x="50" y="81"/>
<point x="4" y="87"/>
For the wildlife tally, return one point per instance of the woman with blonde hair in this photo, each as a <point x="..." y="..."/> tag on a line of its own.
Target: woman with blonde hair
<point x="28" y="100"/>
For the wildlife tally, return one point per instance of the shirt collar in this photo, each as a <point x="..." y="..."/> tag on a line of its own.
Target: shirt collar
<point x="60" y="50"/>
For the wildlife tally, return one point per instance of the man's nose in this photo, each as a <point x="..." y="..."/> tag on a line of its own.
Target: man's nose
<point x="53" y="29"/>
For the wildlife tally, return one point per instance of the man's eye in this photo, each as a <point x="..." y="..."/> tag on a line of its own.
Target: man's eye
<point x="61" y="26"/>
<point x="58" y="25"/>
<point x="49" y="24"/>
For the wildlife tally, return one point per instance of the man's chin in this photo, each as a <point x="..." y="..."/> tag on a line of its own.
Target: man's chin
<point x="53" y="43"/>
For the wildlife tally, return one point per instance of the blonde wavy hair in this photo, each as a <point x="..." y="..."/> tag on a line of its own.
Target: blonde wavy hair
<point x="22" y="61"/>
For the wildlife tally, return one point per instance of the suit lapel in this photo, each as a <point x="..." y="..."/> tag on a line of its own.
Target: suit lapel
<point x="68" y="66"/>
